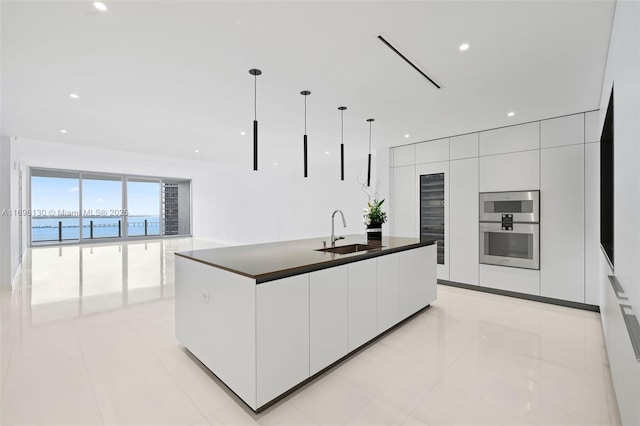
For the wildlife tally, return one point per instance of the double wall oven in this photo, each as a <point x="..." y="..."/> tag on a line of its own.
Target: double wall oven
<point x="510" y="229"/>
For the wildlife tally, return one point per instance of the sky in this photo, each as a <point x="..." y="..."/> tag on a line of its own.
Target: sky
<point x="53" y="193"/>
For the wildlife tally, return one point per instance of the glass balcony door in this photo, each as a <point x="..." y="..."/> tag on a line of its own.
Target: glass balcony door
<point x="102" y="211"/>
<point x="143" y="208"/>
<point x="55" y="206"/>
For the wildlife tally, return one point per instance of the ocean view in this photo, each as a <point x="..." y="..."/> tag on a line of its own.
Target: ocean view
<point x="46" y="228"/>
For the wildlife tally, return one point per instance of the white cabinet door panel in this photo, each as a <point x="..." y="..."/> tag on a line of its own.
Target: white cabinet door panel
<point x="591" y="127"/>
<point x="519" y="171"/>
<point x="427" y="169"/>
<point x="417" y="278"/>
<point x="432" y="151"/>
<point x="327" y="316"/>
<point x="403" y="214"/>
<point x="388" y="314"/>
<point x="404" y="155"/>
<point x="464" y="146"/>
<point x="362" y="302"/>
<point x="562" y="223"/>
<point x="463" y="218"/>
<point x="511" y="279"/>
<point x="568" y="130"/>
<point x="522" y="137"/>
<point x="282" y="309"/>
<point x="592" y="223"/>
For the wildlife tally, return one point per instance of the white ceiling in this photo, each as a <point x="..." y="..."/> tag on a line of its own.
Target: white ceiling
<point x="171" y="77"/>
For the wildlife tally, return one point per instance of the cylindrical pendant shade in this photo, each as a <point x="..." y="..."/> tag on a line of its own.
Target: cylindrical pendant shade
<point x="255" y="73"/>
<point x="305" y="156"/>
<point x="370" y="121"/>
<point x="341" y="161"/>
<point x="255" y="144"/>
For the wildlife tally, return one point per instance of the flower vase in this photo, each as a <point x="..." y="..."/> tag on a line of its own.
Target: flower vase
<point x="374" y="232"/>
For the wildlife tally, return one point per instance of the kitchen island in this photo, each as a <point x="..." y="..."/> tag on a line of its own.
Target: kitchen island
<point x="266" y="318"/>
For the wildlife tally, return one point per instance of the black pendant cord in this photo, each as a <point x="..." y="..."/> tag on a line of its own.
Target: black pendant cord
<point x="370" y="120"/>
<point x="342" y="108"/>
<point x="255" y="73"/>
<point x="305" y="93"/>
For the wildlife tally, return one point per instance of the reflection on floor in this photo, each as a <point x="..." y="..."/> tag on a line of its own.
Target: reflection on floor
<point x="88" y="338"/>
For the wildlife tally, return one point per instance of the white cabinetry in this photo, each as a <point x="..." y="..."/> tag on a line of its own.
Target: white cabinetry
<point x="463" y="221"/>
<point x="388" y="290"/>
<point x="511" y="279"/>
<point x="432" y="151"/>
<point x="427" y="169"/>
<point x="362" y="299"/>
<point x="519" y="171"/>
<point x="510" y="139"/>
<point x="591" y="127"/>
<point x="207" y="301"/>
<point x="591" y="222"/>
<point x="327" y="316"/>
<point x="282" y="321"/>
<point x="404" y="156"/>
<point x="568" y="130"/>
<point x="463" y="146"/>
<point x="562" y="223"/>
<point x="416" y="278"/>
<point x="403" y="214"/>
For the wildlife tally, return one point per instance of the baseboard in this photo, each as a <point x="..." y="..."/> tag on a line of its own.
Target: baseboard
<point x="550" y="300"/>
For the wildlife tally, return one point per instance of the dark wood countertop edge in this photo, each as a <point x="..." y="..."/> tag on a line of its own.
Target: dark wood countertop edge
<point x="338" y="261"/>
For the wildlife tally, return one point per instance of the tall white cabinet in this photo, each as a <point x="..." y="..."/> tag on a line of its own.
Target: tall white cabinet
<point x="463" y="221"/>
<point x="562" y="223"/>
<point x="559" y="157"/>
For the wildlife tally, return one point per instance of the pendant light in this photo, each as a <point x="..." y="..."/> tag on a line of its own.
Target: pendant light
<point x="370" y="120"/>
<point x="342" y="108"/>
<point x="305" y="93"/>
<point x="255" y="73"/>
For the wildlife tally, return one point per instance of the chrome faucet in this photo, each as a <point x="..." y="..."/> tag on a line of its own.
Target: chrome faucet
<point x="333" y="235"/>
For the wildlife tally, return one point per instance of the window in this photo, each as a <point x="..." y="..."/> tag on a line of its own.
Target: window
<point x="70" y="206"/>
<point x="55" y="206"/>
<point x="143" y="217"/>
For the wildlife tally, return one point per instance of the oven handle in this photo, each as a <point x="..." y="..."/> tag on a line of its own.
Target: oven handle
<point x="529" y="228"/>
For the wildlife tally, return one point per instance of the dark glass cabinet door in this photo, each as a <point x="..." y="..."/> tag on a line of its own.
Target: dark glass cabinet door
<point x="432" y="211"/>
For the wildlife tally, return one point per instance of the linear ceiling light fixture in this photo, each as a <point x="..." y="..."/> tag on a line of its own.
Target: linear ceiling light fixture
<point x="370" y="120"/>
<point x="397" y="52"/>
<point x="342" y="108"/>
<point x="255" y="73"/>
<point x="305" y="93"/>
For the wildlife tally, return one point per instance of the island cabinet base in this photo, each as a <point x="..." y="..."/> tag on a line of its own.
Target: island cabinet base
<point x="265" y="340"/>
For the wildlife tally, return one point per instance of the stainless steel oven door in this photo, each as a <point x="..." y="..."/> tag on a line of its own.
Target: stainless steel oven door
<point x="518" y="247"/>
<point x="523" y="206"/>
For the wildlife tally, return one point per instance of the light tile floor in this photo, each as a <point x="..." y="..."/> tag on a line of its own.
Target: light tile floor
<point x="88" y="338"/>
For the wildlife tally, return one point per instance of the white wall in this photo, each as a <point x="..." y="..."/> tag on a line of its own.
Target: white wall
<point x="5" y="221"/>
<point x="230" y="203"/>
<point x="623" y="73"/>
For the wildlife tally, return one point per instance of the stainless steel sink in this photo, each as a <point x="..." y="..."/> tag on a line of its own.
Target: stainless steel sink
<point x="351" y="248"/>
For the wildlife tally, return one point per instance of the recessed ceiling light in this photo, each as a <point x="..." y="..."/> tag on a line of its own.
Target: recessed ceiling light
<point x="326" y="152"/>
<point x="407" y="135"/>
<point x="196" y="151"/>
<point x="63" y="131"/>
<point x="275" y="163"/>
<point x="464" y="46"/>
<point x="242" y="133"/>
<point x="73" y="95"/>
<point x="100" y="6"/>
<point x="511" y="114"/>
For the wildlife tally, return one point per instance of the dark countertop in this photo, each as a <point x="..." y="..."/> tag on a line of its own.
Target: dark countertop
<point x="272" y="261"/>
